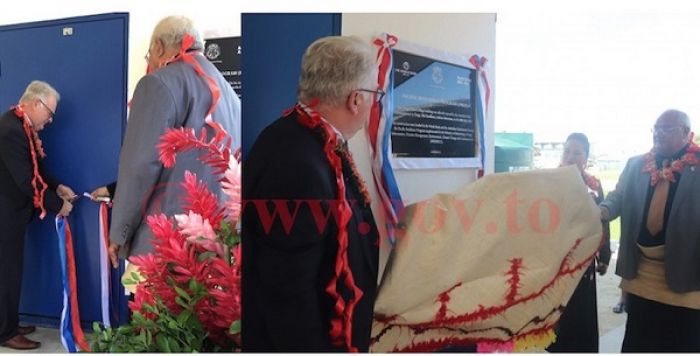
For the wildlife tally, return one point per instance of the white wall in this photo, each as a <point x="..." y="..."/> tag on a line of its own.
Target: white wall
<point x="465" y="34"/>
<point x="212" y="18"/>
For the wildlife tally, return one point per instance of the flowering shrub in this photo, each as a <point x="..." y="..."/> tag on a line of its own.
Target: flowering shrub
<point x="188" y="290"/>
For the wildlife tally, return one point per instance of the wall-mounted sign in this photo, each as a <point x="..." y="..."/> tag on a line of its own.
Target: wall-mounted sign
<point x="435" y="109"/>
<point x="225" y="54"/>
<point x="434" y="115"/>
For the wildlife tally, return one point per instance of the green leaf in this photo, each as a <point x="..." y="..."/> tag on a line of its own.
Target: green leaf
<point x="174" y="345"/>
<point x="138" y="318"/>
<point x="149" y="308"/>
<point x="193" y="284"/>
<point x="235" y="327"/>
<point x="142" y="338"/>
<point x="205" y="256"/>
<point x="183" y="318"/>
<point x="96" y="327"/>
<point x="162" y="343"/>
<point x="181" y="292"/>
<point x="181" y="302"/>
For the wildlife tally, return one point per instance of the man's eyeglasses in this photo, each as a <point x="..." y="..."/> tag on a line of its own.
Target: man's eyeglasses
<point x="664" y="129"/>
<point x="51" y="113"/>
<point x="379" y="94"/>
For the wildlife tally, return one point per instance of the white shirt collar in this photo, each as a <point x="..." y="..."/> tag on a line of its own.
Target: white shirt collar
<point x="337" y="132"/>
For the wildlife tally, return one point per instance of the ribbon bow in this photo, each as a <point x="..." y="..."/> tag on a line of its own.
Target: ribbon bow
<point x="390" y="41"/>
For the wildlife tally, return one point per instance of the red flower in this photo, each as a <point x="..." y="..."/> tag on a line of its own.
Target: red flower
<point x="677" y="166"/>
<point x="691" y="159"/>
<point x="667" y="173"/>
<point x="201" y="201"/>
<point x="175" y="260"/>
<point x="217" y="150"/>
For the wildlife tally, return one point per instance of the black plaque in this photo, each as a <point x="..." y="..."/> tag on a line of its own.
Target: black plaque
<point x="433" y="112"/>
<point x="225" y="54"/>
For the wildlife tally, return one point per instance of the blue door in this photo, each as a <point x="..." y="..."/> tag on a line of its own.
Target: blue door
<point x="85" y="59"/>
<point x="272" y="46"/>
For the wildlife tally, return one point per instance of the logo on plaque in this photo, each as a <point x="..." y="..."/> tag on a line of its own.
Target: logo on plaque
<point x="213" y="51"/>
<point x="437" y="75"/>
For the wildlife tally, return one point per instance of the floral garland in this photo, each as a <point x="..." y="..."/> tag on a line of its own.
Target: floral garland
<point x="38" y="184"/>
<point x="341" y="325"/>
<point x="676" y="166"/>
<point x="39" y="149"/>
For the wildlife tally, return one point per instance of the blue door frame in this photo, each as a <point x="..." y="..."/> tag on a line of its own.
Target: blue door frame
<point x="85" y="58"/>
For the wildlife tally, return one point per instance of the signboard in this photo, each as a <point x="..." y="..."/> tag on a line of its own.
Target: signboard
<point x="433" y="112"/>
<point x="225" y="54"/>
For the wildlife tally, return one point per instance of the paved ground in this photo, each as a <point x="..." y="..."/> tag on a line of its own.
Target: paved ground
<point x="50" y="342"/>
<point x="611" y="325"/>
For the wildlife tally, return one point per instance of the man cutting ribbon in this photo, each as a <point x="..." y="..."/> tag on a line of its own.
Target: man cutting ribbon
<point x="24" y="187"/>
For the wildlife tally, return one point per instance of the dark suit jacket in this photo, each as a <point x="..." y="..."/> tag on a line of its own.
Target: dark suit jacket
<point x="628" y="200"/>
<point x="285" y="305"/>
<point x="16" y="173"/>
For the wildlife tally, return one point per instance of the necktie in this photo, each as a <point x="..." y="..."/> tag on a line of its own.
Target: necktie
<point x="657" y="207"/>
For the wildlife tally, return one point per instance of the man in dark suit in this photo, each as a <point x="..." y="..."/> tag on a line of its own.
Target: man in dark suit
<point x="309" y="238"/>
<point x="657" y="198"/>
<point x="23" y="187"/>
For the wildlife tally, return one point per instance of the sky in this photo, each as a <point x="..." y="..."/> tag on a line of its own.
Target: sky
<point x="607" y="74"/>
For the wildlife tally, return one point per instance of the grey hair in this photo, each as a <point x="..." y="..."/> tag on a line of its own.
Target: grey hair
<point x="39" y="90"/>
<point x="678" y="115"/>
<point x="172" y="29"/>
<point x="333" y="66"/>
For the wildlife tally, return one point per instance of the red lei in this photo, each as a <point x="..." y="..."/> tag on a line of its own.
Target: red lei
<point x="341" y="324"/>
<point x="676" y="166"/>
<point x="38" y="184"/>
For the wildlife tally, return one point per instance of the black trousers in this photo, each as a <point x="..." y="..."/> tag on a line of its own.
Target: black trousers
<point x="11" y="264"/>
<point x="577" y="330"/>
<point x="657" y="327"/>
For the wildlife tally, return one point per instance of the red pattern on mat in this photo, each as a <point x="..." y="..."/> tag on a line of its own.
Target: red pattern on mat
<point x="482" y="313"/>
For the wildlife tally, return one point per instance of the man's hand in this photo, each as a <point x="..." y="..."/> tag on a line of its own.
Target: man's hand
<point x="113" y="253"/>
<point x="602" y="268"/>
<point x="100" y="192"/>
<point x="604" y="214"/>
<point x="65" y="209"/>
<point x="66" y="193"/>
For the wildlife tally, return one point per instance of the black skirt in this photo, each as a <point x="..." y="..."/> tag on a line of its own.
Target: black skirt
<point x="657" y="327"/>
<point x="577" y="330"/>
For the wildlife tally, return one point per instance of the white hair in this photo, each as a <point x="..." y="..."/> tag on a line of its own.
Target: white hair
<point x="333" y="66"/>
<point x="172" y="29"/>
<point x="39" y="90"/>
